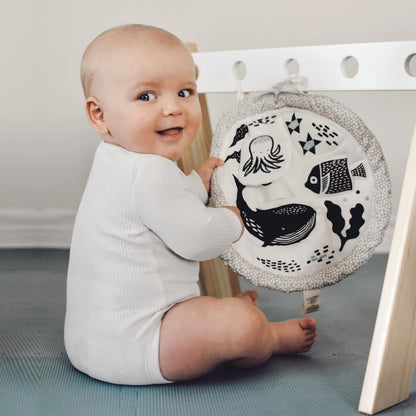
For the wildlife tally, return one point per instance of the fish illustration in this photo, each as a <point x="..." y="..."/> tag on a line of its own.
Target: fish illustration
<point x="333" y="176"/>
<point x="283" y="225"/>
<point x="239" y="134"/>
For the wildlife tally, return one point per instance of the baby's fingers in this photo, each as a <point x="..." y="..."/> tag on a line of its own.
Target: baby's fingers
<point x="215" y="162"/>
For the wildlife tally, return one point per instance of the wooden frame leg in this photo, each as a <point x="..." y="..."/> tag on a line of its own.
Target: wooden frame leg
<point x="392" y="357"/>
<point x="216" y="280"/>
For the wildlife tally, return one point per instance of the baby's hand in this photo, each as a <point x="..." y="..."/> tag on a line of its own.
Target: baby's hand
<point x="205" y="170"/>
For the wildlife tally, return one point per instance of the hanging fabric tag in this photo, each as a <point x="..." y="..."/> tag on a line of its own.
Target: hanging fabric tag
<point x="240" y="93"/>
<point x="311" y="301"/>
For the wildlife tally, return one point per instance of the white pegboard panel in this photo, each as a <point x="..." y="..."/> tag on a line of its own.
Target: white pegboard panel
<point x="381" y="66"/>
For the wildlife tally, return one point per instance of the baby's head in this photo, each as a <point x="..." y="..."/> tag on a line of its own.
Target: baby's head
<point x="140" y="90"/>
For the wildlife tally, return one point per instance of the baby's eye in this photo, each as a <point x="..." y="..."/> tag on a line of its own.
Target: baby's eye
<point x="184" y="93"/>
<point x="147" y="96"/>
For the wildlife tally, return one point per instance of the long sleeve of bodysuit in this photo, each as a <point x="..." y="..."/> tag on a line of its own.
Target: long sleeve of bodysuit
<point x="169" y="205"/>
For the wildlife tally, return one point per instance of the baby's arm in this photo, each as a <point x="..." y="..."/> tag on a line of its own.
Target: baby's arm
<point x="168" y="206"/>
<point x="205" y="170"/>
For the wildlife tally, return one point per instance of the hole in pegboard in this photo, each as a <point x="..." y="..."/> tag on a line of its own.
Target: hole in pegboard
<point x="239" y="70"/>
<point x="292" y="67"/>
<point x="349" y="67"/>
<point x="410" y="65"/>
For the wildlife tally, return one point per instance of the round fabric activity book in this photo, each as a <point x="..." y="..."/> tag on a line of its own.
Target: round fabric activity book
<point x="311" y="184"/>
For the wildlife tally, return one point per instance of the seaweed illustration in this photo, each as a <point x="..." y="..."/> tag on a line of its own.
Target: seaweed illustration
<point x="356" y="221"/>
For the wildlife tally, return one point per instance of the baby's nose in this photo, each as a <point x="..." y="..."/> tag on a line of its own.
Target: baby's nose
<point x="172" y="107"/>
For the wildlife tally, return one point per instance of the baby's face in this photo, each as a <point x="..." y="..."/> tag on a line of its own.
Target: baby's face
<point x="149" y="99"/>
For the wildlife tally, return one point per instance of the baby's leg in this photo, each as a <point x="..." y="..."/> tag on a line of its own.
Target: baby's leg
<point x="202" y="332"/>
<point x="249" y="295"/>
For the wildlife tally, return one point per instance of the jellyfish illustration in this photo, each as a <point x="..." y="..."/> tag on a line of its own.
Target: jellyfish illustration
<point x="262" y="156"/>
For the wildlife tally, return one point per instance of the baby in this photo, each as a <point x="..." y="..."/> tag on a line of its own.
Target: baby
<point x="134" y="312"/>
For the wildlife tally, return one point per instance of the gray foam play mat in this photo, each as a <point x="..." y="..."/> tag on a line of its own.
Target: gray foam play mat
<point x="312" y="186"/>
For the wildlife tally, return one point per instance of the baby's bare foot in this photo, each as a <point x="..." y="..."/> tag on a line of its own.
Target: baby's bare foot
<point x="294" y="336"/>
<point x="249" y="296"/>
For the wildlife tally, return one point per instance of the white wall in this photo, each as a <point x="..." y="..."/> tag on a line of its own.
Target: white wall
<point x="46" y="143"/>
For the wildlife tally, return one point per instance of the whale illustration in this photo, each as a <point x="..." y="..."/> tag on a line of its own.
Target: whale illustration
<point x="283" y="225"/>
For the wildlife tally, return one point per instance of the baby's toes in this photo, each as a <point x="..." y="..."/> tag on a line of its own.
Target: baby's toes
<point x="308" y="325"/>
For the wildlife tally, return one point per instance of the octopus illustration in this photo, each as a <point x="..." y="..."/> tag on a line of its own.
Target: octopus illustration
<point x="263" y="156"/>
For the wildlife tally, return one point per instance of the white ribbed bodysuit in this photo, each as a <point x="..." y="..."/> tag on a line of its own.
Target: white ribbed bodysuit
<point x="141" y="228"/>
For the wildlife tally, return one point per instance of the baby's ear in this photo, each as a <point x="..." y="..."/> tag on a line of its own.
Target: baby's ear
<point x="95" y="115"/>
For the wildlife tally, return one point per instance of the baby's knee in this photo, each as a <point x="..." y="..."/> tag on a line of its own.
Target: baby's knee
<point x="250" y="329"/>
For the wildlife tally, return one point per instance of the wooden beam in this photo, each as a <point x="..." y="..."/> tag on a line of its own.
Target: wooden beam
<point x="216" y="279"/>
<point x="392" y="357"/>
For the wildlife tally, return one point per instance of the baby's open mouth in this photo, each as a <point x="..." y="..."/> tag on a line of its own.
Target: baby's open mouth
<point x="171" y="131"/>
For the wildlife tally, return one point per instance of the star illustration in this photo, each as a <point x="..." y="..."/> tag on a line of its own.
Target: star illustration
<point x="309" y="145"/>
<point x="294" y="124"/>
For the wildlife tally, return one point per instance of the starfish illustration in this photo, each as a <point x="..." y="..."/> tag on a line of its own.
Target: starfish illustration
<point x="309" y="145"/>
<point x="294" y="124"/>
